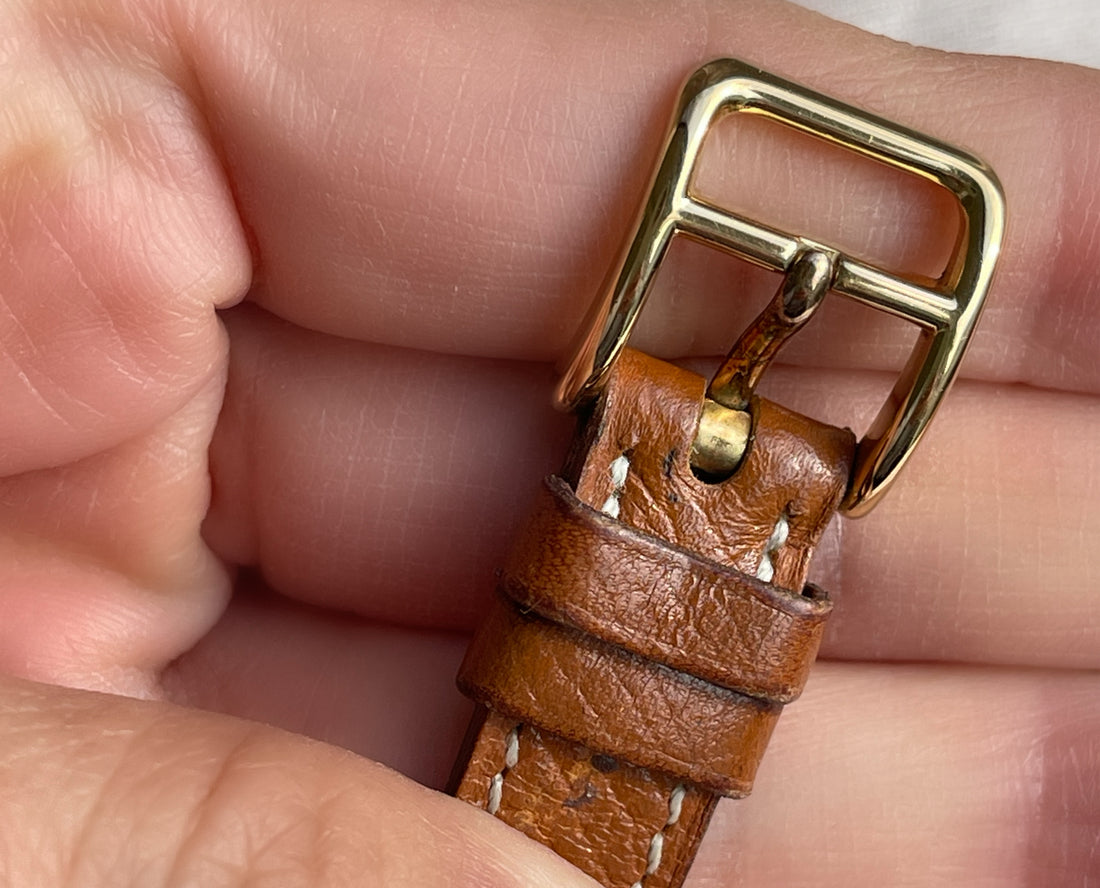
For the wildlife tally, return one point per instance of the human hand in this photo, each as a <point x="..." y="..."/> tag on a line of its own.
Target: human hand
<point x="413" y="205"/>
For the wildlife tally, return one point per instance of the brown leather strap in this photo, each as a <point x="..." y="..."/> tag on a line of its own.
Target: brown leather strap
<point x="647" y="635"/>
<point x="766" y="651"/>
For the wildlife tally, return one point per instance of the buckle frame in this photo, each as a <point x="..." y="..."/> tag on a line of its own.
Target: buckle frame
<point x="946" y="311"/>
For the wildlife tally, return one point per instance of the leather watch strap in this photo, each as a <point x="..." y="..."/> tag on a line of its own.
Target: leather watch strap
<point x="652" y="622"/>
<point x="649" y="628"/>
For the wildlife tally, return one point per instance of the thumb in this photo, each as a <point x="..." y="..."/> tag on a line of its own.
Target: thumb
<point x="103" y="790"/>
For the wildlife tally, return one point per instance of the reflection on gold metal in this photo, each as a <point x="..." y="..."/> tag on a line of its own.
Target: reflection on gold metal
<point x="946" y="310"/>
<point x="721" y="441"/>
<point x="726" y="422"/>
<point x="804" y="286"/>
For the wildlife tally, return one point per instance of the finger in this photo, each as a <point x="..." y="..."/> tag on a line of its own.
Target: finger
<point x="920" y="776"/>
<point x="982" y="552"/>
<point x="387" y="483"/>
<point x="118" y="236"/>
<point x="385" y="693"/>
<point x="461" y="183"/>
<point x="945" y="774"/>
<point x="382" y="481"/>
<point x="103" y="575"/>
<point x="155" y="795"/>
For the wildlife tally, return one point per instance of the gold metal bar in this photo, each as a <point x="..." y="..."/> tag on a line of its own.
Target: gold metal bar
<point x="946" y="310"/>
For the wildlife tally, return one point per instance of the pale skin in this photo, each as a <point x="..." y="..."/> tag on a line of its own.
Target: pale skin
<point x="280" y="284"/>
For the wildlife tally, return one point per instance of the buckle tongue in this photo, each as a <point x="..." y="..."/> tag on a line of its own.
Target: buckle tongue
<point x="726" y="423"/>
<point x="946" y="310"/>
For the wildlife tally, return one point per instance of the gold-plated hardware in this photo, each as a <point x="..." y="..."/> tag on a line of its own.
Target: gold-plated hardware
<point x="721" y="441"/>
<point x="726" y="422"/>
<point x="946" y="310"/>
<point x="807" y="281"/>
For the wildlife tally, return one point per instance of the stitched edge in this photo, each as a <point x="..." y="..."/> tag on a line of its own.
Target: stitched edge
<point x="619" y="468"/>
<point x="657" y="843"/>
<point x="775" y="542"/>
<point x="496" y="782"/>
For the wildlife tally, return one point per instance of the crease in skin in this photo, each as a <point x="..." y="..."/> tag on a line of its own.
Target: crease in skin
<point x="79" y="626"/>
<point x="197" y="831"/>
<point x="134" y="480"/>
<point x="515" y="271"/>
<point x="157" y="795"/>
<point x="1070" y="807"/>
<point x="944" y="522"/>
<point x="106" y="577"/>
<point x="869" y="755"/>
<point x="920" y="769"/>
<point x="304" y="682"/>
<point x="117" y="310"/>
<point x="1079" y="212"/>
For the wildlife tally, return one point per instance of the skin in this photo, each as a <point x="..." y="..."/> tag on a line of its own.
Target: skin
<point x="280" y="285"/>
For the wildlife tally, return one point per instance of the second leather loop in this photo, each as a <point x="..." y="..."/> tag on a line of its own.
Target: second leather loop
<point x="576" y="566"/>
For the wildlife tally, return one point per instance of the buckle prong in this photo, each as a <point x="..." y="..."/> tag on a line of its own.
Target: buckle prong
<point x="945" y="309"/>
<point x="722" y="437"/>
<point x="798" y="297"/>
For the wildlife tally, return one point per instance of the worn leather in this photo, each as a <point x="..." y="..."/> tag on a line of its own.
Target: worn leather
<point x="662" y="603"/>
<point x="577" y="687"/>
<point x="633" y="666"/>
<point x="597" y="812"/>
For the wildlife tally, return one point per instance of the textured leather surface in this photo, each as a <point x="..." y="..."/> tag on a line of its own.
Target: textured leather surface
<point x="576" y="566"/>
<point x="793" y="466"/>
<point x="582" y="689"/>
<point x="594" y="811"/>
<point x="610" y="732"/>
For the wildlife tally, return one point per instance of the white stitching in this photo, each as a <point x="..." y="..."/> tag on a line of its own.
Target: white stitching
<point x="620" y="466"/>
<point x="511" y="756"/>
<point x="775" y="542"/>
<point x="657" y="843"/>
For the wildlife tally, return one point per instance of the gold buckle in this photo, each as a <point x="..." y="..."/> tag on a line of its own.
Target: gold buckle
<point x="946" y="310"/>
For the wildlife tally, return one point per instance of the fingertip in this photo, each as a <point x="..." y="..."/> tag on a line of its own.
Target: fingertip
<point x="158" y="795"/>
<point x="120" y="238"/>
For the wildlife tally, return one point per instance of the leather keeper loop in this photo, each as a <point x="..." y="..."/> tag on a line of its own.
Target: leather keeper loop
<point x="579" y="567"/>
<point x="615" y="703"/>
